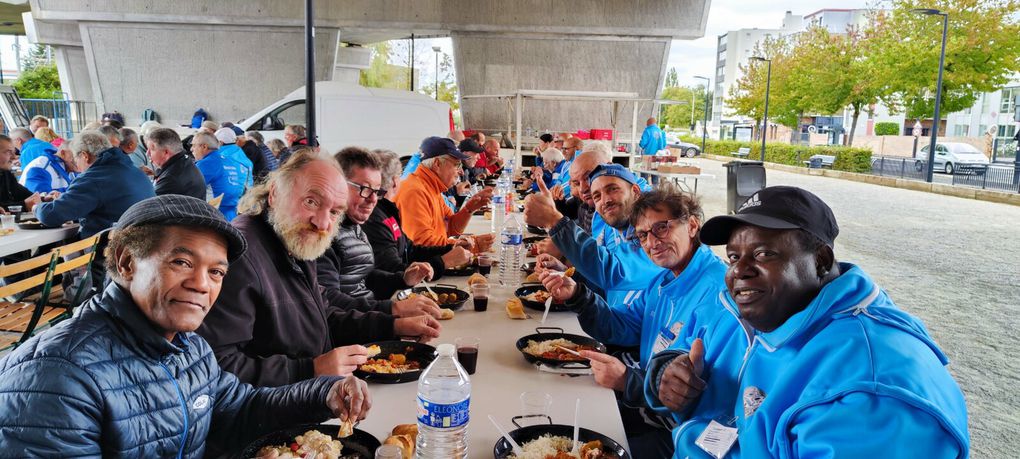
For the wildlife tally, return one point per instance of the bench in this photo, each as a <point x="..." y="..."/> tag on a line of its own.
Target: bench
<point x="820" y="161"/>
<point x="741" y="153"/>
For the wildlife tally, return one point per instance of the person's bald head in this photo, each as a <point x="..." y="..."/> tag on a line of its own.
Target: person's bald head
<point x="580" y="169"/>
<point x="650" y="121"/>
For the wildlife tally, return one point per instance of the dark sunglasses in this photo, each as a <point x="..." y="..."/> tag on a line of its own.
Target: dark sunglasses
<point x="367" y="191"/>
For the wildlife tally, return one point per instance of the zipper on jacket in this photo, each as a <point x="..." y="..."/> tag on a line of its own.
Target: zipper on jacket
<point x="184" y="408"/>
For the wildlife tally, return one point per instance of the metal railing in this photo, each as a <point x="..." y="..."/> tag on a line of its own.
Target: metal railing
<point x="892" y="166"/>
<point x="1002" y="177"/>
<point x="67" y="117"/>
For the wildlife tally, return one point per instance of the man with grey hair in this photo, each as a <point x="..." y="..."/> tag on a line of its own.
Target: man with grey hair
<point x="133" y="148"/>
<point x="274" y="324"/>
<point x="29" y="146"/>
<point x="176" y="172"/>
<point x="107" y="186"/>
<point x="223" y="176"/>
<point x="112" y="134"/>
<point x="294" y="135"/>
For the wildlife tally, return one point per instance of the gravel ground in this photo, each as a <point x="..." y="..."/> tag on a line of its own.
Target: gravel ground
<point x="953" y="262"/>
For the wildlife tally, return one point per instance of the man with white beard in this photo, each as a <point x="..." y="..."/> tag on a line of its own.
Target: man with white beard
<point x="273" y="324"/>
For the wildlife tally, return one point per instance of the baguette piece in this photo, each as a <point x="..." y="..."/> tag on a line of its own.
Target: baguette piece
<point x="515" y="309"/>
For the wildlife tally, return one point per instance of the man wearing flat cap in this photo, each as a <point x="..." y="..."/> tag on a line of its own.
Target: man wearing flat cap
<point x="805" y="356"/>
<point x="126" y="376"/>
<point x="428" y="221"/>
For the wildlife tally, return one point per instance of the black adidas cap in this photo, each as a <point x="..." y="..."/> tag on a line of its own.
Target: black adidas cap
<point x="776" y="207"/>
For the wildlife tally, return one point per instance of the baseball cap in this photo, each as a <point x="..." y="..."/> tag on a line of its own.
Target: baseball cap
<point x="439" y="146"/>
<point x="547" y="137"/>
<point x="776" y="207"/>
<point x="613" y="170"/>
<point x="469" y="145"/>
<point x="179" y="210"/>
<point x="226" y="135"/>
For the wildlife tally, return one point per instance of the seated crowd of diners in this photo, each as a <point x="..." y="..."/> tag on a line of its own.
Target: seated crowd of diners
<point x="242" y="277"/>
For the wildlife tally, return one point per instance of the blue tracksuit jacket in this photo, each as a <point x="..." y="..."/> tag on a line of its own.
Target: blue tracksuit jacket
<point x="652" y="140"/>
<point x="851" y="375"/>
<point x="225" y="177"/>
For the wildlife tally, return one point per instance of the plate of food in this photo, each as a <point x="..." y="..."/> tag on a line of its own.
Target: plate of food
<point x="464" y="270"/>
<point x="446" y="296"/>
<point x="393" y="362"/>
<point x="312" y="440"/>
<point x="552" y="441"/>
<point x="31" y="224"/>
<point x="533" y="296"/>
<point x="549" y="345"/>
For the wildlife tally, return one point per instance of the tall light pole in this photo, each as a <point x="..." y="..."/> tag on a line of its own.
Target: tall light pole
<point x="938" y="88"/>
<point x="437" y="49"/>
<point x="309" y="74"/>
<point x="765" y="121"/>
<point x="704" y="123"/>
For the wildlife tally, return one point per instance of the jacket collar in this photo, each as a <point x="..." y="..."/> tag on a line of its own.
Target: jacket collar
<point x="852" y="291"/>
<point x="137" y="328"/>
<point x="430" y="179"/>
<point x="175" y="159"/>
<point x="695" y="268"/>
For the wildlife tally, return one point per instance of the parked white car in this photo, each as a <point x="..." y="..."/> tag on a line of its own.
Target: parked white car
<point x="952" y="157"/>
<point x="351" y="114"/>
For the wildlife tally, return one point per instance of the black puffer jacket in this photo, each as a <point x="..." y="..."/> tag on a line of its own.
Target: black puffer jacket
<point x="349" y="266"/>
<point x="107" y="383"/>
<point x="390" y="246"/>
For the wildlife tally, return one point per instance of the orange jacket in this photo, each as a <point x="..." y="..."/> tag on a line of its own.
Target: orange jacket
<point x="423" y="212"/>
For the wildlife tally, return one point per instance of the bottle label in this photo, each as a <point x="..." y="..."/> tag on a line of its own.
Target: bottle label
<point x="443" y="416"/>
<point x="512" y="239"/>
<point x="497" y="199"/>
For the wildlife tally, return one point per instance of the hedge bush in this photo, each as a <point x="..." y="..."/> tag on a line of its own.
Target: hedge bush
<point x="887" y="128"/>
<point x="848" y="159"/>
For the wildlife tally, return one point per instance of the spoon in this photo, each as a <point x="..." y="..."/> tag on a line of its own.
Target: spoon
<point x="548" y="305"/>
<point x="517" y="448"/>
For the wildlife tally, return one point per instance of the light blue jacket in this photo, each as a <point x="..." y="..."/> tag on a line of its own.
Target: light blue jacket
<point x="234" y="153"/>
<point x="851" y="375"/>
<point x="224" y="177"/>
<point x="412" y="165"/>
<point x="657" y="316"/>
<point x="34" y="148"/>
<point x="652" y="140"/>
<point x="564" y="178"/>
<point x="46" y="173"/>
<point x="606" y="259"/>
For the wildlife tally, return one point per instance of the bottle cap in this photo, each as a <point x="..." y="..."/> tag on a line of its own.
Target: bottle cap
<point x="446" y="350"/>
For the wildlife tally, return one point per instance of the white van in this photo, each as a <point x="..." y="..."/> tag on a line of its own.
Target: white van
<point x="350" y="114"/>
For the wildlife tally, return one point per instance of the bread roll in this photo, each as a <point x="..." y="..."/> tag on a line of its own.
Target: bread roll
<point x="477" y="278"/>
<point x="446" y="314"/>
<point x="515" y="310"/>
<point x="406" y="429"/>
<point x="405" y="442"/>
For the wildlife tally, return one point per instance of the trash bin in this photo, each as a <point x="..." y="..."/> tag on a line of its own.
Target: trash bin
<point x="743" y="178"/>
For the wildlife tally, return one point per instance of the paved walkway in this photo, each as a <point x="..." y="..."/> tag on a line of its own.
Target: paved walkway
<point x="953" y="262"/>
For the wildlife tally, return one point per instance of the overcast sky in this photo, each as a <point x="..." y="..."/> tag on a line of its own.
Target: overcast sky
<point x="697" y="57"/>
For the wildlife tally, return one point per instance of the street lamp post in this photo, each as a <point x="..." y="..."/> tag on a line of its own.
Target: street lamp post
<point x="436" y="49"/>
<point x="765" y="120"/>
<point x="938" y="88"/>
<point x="704" y="123"/>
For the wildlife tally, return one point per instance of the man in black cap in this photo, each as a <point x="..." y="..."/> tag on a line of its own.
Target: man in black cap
<point x="126" y="376"/>
<point x="427" y="220"/>
<point x="808" y="355"/>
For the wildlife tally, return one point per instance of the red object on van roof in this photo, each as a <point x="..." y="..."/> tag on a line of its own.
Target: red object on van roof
<point x="602" y="134"/>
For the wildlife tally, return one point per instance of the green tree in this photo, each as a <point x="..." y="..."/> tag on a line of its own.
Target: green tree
<point x="747" y="96"/>
<point x="982" y="51"/>
<point x="672" y="80"/>
<point x="39" y="82"/>
<point x="37" y="56"/>
<point x="680" y="115"/>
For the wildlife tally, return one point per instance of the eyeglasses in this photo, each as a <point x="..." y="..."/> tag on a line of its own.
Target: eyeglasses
<point x="659" y="229"/>
<point x="367" y="191"/>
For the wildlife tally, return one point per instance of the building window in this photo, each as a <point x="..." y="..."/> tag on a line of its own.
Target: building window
<point x="1008" y="100"/>
<point x="960" y="131"/>
<point x="1007" y="130"/>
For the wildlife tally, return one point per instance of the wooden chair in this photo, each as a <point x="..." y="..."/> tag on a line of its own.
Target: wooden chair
<point x="215" y="202"/>
<point x="16" y="317"/>
<point x="73" y="256"/>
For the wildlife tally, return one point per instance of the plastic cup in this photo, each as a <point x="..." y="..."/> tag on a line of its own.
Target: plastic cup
<point x="480" y="295"/>
<point x="484" y="264"/>
<point x="535" y="403"/>
<point x="467" y="353"/>
<point x="389" y="452"/>
<point x="7" y="221"/>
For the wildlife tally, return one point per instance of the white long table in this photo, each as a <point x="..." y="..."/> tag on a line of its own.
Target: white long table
<point x="502" y="375"/>
<point x="677" y="177"/>
<point x="23" y="239"/>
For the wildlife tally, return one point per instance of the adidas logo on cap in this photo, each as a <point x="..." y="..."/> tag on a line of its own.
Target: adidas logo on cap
<point x="753" y="201"/>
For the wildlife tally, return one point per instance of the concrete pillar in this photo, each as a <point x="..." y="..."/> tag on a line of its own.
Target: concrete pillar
<point x="175" y="69"/>
<point x="74" y="72"/>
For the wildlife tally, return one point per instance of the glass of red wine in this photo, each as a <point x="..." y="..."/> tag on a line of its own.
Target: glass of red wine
<point x="467" y="353"/>
<point x="484" y="264"/>
<point x="480" y="294"/>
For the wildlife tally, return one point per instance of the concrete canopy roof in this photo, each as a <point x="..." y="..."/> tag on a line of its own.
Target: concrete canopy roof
<point x="10" y="16"/>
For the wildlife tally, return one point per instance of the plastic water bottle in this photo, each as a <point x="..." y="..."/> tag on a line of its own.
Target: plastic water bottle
<point x="511" y="252"/>
<point x="501" y="200"/>
<point x="444" y="399"/>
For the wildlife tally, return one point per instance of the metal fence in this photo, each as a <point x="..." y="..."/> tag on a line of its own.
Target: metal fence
<point x="1002" y="177"/>
<point x="891" y="166"/>
<point x="67" y="117"/>
<point x="1004" y="150"/>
